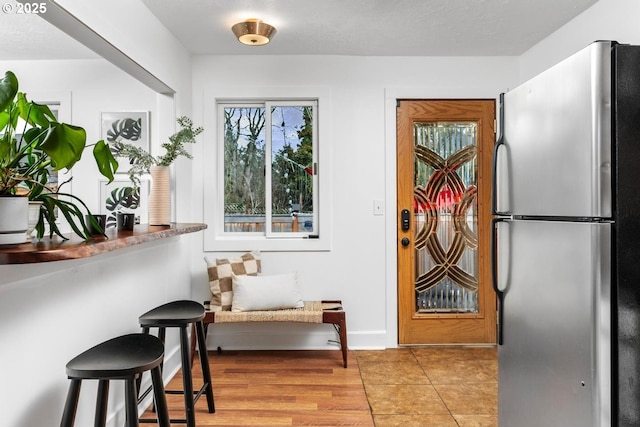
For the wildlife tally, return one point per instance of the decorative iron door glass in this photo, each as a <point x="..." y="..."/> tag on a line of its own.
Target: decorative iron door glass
<point x="445" y="208"/>
<point x="269" y="169"/>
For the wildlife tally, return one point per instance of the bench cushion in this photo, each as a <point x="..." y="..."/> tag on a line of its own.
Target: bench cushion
<point x="311" y="312"/>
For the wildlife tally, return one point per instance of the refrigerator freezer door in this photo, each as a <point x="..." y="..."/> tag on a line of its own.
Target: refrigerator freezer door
<point x="554" y="363"/>
<point x="556" y="159"/>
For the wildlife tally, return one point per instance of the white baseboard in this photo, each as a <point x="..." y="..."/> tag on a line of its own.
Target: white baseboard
<point x="367" y="340"/>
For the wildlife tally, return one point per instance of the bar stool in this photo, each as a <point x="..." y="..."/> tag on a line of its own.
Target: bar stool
<point x="122" y="358"/>
<point x="181" y="314"/>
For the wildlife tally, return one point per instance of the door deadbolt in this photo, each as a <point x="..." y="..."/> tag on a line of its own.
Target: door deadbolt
<point x="405" y="218"/>
<point x="405" y="241"/>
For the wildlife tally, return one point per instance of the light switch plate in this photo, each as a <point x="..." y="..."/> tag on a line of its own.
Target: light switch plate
<point x="378" y="207"/>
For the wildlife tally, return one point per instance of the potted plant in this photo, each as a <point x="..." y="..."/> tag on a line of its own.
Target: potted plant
<point x="144" y="163"/>
<point x="32" y="148"/>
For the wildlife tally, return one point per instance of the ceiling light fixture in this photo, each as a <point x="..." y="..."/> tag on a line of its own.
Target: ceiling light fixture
<point x="253" y="32"/>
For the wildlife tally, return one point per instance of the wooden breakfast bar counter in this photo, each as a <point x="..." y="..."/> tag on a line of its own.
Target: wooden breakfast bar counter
<point x="57" y="249"/>
<point x="96" y="290"/>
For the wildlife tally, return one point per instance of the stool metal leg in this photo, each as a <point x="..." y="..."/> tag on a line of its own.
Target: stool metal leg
<point x="71" y="405"/>
<point x="101" y="403"/>
<point x="187" y="378"/>
<point x="131" y="403"/>
<point x="204" y="361"/>
<point x="162" y="412"/>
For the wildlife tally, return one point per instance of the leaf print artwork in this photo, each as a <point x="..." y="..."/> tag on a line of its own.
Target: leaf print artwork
<point x="122" y="196"/>
<point x="119" y="198"/>
<point x="129" y="129"/>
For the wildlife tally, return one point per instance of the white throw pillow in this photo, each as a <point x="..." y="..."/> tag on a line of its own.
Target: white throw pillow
<point x="266" y="292"/>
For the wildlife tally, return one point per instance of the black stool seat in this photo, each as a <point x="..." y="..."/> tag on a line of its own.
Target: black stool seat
<point x="173" y="314"/>
<point x="181" y="314"/>
<point x="122" y="358"/>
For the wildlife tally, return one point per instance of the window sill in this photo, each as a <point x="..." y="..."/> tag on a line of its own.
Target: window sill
<point x="214" y="243"/>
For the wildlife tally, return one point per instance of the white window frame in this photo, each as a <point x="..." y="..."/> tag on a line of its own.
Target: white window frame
<point x="215" y="239"/>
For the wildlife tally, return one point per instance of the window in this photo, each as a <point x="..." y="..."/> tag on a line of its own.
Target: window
<point x="52" y="180"/>
<point x="268" y="176"/>
<point x="270" y="168"/>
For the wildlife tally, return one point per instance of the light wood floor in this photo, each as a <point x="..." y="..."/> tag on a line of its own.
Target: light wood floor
<point x="421" y="387"/>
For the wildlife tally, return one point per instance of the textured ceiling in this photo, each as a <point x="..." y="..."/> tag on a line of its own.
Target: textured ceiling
<point x="369" y="27"/>
<point x="28" y="36"/>
<point x="326" y="27"/>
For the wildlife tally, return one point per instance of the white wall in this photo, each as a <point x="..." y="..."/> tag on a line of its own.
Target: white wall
<point x="360" y="267"/>
<point x="137" y="33"/>
<point x="89" y="87"/>
<point x="134" y="30"/>
<point x="52" y="311"/>
<point x="606" y="20"/>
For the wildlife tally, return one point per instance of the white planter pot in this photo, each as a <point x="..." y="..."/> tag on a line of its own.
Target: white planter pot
<point x="160" y="196"/>
<point x="14" y="219"/>
<point x="33" y="216"/>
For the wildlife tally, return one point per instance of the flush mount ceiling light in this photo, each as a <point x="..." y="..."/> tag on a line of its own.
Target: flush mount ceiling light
<point x="253" y="32"/>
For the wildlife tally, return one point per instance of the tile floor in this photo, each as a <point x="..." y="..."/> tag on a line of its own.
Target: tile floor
<point x="431" y="386"/>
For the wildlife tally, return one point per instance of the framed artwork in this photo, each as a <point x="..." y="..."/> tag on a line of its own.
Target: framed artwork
<point x="131" y="127"/>
<point x="122" y="196"/>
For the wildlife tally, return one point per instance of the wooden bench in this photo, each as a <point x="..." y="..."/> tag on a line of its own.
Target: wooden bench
<point x="329" y="311"/>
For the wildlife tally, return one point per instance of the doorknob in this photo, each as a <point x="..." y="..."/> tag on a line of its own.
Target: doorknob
<point x="405" y="241"/>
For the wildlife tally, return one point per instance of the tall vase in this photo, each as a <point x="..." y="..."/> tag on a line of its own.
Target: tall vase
<point x="160" y="196"/>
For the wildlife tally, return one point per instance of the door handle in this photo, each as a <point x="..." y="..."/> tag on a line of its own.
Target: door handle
<point x="494" y="166"/>
<point x="494" y="278"/>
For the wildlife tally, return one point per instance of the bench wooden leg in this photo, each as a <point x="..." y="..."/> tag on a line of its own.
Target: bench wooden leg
<point x="341" y="327"/>
<point x="193" y="343"/>
<point x="339" y="321"/>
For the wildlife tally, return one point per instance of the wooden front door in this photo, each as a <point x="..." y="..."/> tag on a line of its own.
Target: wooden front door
<point x="444" y="185"/>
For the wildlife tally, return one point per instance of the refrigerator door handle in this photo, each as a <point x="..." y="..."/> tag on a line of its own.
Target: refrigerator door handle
<point x="494" y="167"/>
<point x="494" y="277"/>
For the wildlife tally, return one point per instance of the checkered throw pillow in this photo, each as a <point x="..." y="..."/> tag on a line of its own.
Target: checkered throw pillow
<point x="220" y="281"/>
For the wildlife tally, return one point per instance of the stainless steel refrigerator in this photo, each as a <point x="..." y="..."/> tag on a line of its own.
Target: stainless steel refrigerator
<point x="566" y="243"/>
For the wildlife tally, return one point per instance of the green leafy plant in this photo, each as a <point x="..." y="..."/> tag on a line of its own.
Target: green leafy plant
<point x="30" y="150"/>
<point x="142" y="161"/>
